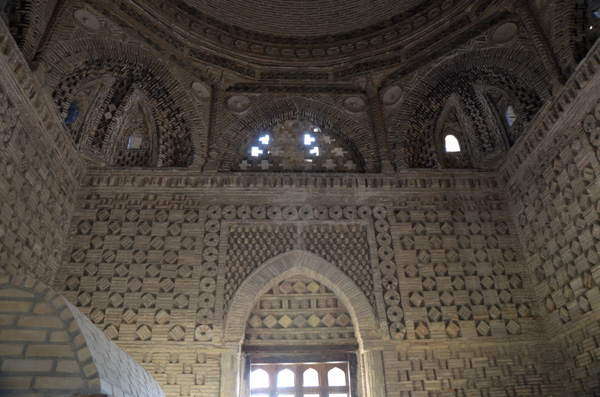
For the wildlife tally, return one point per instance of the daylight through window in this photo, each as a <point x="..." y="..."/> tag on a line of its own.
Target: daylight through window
<point x="451" y="144"/>
<point x="303" y="379"/>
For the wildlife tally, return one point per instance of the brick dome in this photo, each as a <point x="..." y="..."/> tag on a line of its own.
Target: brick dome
<point x="303" y="17"/>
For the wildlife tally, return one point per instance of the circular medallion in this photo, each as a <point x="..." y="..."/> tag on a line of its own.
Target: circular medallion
<point x="506" y="33"/>
<point x="86" y="20"/>
<point x="354" y="104"/>
<point x="200" y="91"/>
<point x="238" y="103"/>
<point x="392" y="95"/>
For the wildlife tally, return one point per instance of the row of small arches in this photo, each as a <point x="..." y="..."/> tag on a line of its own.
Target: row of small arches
<point x="135" y="141"/>
<point x="259" y="378"/>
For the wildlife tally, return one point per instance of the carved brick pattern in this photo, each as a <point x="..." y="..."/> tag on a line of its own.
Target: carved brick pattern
<point x="37" y="197"/>
<point x="299" y="311"/>
<point x="557" y="212"/>
<point x="249" y="246"/>
<point x="134" y="268"/>
<point x="463" y="369"/>
<point x="182" y="372"/>
<point x="459" y="273"/>
<point x="578" y="351"/>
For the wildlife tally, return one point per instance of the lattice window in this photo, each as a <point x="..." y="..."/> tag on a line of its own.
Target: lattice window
<point x="301" y="379"/>
<point x="298" y="146"/>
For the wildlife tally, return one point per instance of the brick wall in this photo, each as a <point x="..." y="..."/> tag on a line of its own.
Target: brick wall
<point x="42" y="350"/>
<point x="39" y="171"/>
<point x="440" y="265"/>
<point x="556" y="209"/>
<point x="48" y="347"/>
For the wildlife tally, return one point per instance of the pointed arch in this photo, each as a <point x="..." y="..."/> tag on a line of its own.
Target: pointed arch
<point x="412" y="129"/>
<point x="118" y="128"/>
<point x="78" y="61"/>
<point x="294" y="263"/>
<point x="465" y="134"/>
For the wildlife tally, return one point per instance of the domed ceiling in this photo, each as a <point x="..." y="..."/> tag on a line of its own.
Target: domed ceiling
<point x="303" y="18"/>
<point x="310" y="39"/>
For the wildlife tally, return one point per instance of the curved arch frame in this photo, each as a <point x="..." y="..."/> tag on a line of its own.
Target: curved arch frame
<point x="68" y="57"/>
<point x="293" y="263"/>
<point x="115" y="132"/>
<point x="465" y="137"/>
<point x="483" y="61"/>
<point x="238" y="134"/>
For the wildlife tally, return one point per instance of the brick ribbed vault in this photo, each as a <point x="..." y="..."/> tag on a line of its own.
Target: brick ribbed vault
<point x="412" y="130"/>
<point x="291" y="264"/>
<point x="75" y="63"/>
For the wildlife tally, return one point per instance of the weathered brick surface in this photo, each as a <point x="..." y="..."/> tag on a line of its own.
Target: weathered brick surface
<point x="39" y="171"/>
<point x="63" y="353"/>
<point x="179" y="267"/>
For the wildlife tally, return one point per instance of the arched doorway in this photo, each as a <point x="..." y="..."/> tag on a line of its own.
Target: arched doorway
<point x="304" y="268"/>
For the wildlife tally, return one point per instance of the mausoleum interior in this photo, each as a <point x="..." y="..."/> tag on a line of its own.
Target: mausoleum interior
<point x="345" y="198"/>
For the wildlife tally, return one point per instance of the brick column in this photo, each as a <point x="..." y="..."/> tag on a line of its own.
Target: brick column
<point x="374" y="373"/>
<point x="217" y="107"/>
<point x="541" y="43"/>
<point x="379" y="128"/>
<point x="230" y="372"/>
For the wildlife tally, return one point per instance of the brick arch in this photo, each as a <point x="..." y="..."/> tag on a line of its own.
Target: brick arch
<point x="183" y="134"/>
<point x="115" y="131"/>
<point x="294" y="263"/>
<point x="412" y="129"/>
<point x="238" y="134"/>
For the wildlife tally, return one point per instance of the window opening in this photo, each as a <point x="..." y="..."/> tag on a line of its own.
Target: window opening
<point x="314" y="151"/>
<point x="259" y="379"/>
<point x="135" y="141"/>
<point x="301" y="379"/>
<point x="255" y="151"/>
<point x="285" y="378"/>
<point x="336" y="377"/>
<point x="451" y="144"/>
<point x="308" y="140"/>
<point x="72" y="113"/>
<point x="264" y="139"/>
<point x="511" y="115"/>
<point x="311" y="378"/>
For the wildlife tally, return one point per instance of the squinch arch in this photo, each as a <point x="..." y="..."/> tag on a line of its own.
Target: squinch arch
<point x="295" y="263"/>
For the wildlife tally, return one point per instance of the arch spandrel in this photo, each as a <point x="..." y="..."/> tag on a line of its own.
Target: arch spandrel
<point x="295" y="263"/>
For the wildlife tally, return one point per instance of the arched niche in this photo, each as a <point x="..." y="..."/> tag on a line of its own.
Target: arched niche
<point x="412" y="130"/>
<point x="299" y="263"/>
<point x="452" y="122"/>
<point x="132" y="138"/>
<point x="180" y="126"/>
<point x="238" y="134"/>
<point x="270" y="274"/>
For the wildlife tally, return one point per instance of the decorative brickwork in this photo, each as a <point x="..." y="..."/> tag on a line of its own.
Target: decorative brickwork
<point x="209" y="187"/>
<point x="39" y="172"/>
<point x="458" y="369"/>
<point x="49" y="347"/>
<point x="301" y="311"/>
